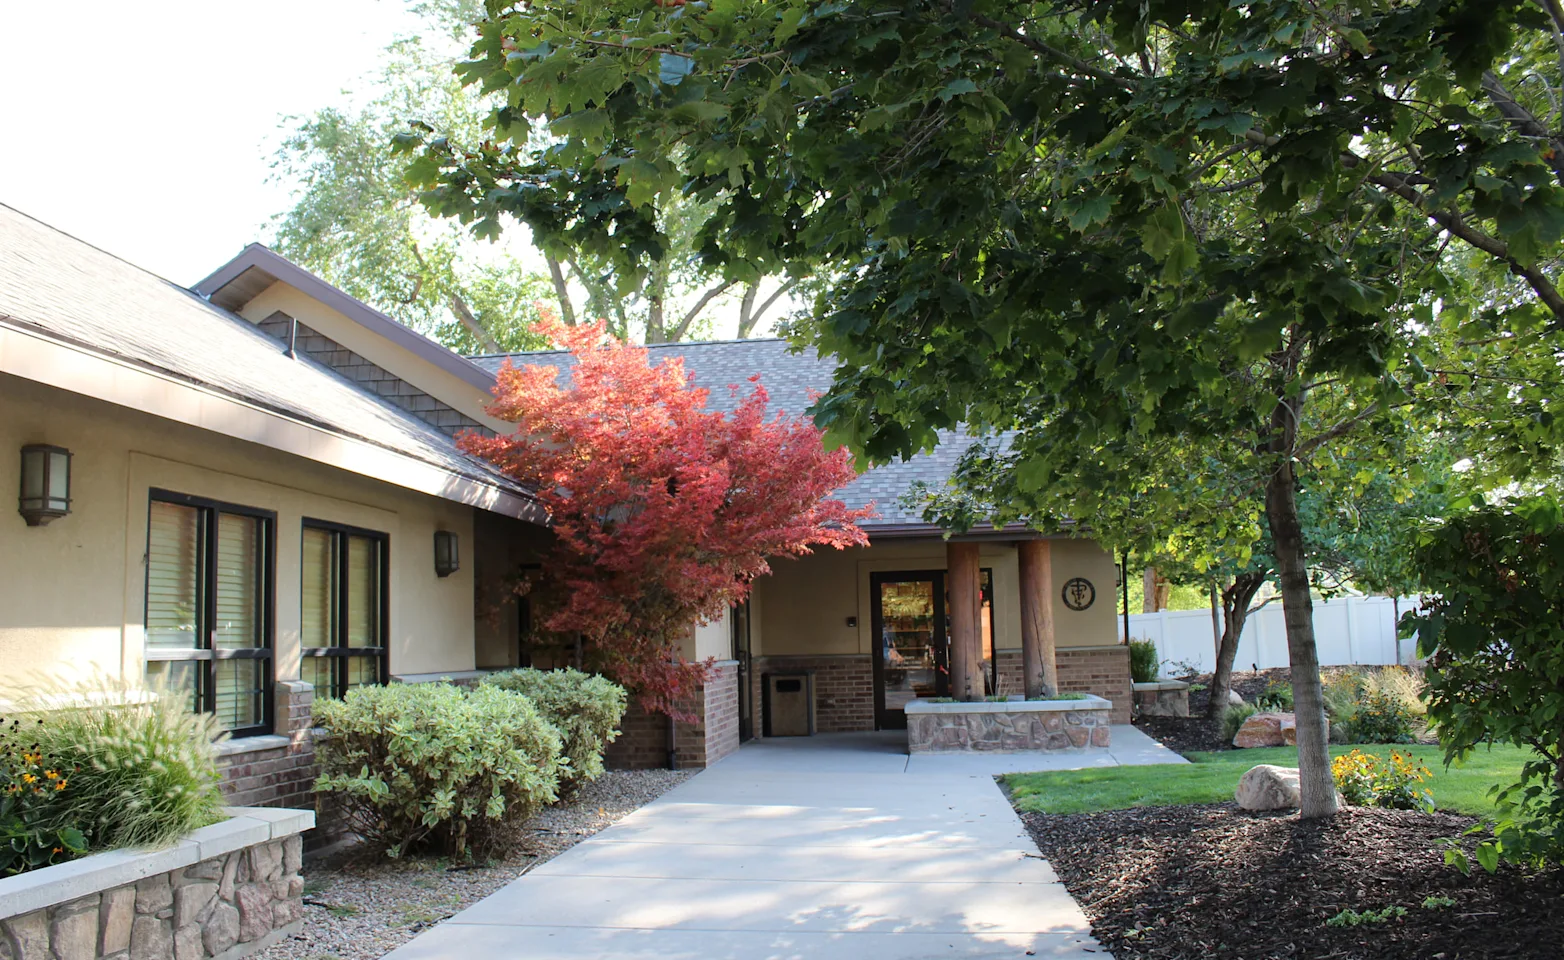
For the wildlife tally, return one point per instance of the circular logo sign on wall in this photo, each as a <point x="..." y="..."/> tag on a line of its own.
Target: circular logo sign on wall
<point x="1079" y="593"/>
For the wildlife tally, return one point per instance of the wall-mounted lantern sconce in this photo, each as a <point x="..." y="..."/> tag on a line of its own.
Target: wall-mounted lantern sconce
<point x="46" y="483"/>
<point x="447" y="556"/>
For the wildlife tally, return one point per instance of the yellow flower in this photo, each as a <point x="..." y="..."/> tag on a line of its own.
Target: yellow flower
<point x="51" y="775"/>
<point x="28" y="778"/>
<point x="60" y="785"/>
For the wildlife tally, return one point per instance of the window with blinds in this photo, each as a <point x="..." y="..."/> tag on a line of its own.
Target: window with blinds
<point x="343" y="607"/>
<point x="209" y="607"/>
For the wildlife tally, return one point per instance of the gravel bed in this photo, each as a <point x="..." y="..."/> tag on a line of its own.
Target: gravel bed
<point x="360" y="906"/>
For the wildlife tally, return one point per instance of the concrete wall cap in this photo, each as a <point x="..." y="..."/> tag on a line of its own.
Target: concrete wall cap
<point x="1092" y="702"/>
<point x="1161" y="685"/>
<point x="46" y="887"/>
<point x="269" y="741"/>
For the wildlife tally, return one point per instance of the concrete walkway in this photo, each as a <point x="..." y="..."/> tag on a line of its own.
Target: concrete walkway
<point x="829" y="847"/>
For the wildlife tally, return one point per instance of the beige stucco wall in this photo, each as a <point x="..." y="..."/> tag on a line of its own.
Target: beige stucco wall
<point x="712" y="640"/>
<point x="803" y="607"/>
<point x="404" y="363"/>
<point x="71" y="593"/>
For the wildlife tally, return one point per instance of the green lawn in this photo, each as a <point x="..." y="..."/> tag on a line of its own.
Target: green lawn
<point x="1212" y="777"/>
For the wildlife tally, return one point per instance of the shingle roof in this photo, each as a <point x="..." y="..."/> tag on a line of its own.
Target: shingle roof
<point x="73" y="292"/>
<point x="792" y="379"/>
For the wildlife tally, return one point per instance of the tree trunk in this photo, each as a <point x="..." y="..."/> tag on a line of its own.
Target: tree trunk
<point x="567" y="310"/>
<point x="656" y="328"/>
<point x="966" y="620"/>
<point x="1317" y="787"/>
<point x="1035" y="562"/>
<point x="747" y="316"/>
<point x="1236" y="598"/>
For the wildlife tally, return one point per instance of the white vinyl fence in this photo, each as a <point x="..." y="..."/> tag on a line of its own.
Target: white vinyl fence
<point x="1348" y="630"/>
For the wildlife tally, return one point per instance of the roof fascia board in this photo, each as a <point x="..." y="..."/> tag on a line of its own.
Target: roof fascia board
<point x="909" y="531"/>
<point x="68" y="367"/>
<point x="286" y="271"/>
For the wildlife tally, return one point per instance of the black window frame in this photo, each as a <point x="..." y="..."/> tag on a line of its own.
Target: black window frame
<point x="206" y="685"/>
<point x="340" y="653"/>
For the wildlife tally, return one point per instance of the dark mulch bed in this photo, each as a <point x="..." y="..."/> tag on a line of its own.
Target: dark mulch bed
<point x="1185" y="734"/>
<point x="1180" y="883"/>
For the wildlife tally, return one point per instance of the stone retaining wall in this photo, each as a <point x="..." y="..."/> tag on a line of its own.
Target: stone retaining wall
<point x="1057" y="726"/>
<point x="223" y="892"/>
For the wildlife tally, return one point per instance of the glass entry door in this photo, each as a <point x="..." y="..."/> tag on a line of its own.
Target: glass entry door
<point x="911" y="649"/>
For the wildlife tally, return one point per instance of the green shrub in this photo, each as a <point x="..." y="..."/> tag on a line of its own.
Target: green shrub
<point x="1234" y="716"/>
<point x="33" y="788"/>
<point x="1070" y="695"/>
<point x="1144" y="665"/>
<point x="1370" y="781"/>
<point x="1352" y="918"/>
<point x="585" y="709"/>
<point x="1399" y="684"/>
<point x="1341" y="690"/>
<point x="1277" y="696"/>
<point x="142" y="771"/>
<point x="1492" y="635"/>
<point x="434" y="767"/>
<point x="1383" y="718"/>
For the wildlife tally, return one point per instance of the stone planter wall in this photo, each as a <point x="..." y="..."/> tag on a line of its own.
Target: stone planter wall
<point x="1046" y="726"/>
<point x="1162" y="698"/>
<point x="224" y="891"/>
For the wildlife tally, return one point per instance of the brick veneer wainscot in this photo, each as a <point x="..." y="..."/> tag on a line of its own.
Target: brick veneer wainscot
<point x="1104" y="671"/>
<point x="844" y="689"/>
<point x="643" y="740"/>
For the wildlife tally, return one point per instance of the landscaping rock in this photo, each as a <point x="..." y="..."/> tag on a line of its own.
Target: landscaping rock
<point x="154" y="895"/>
<point x="192" y="900"/>
<point x="1262" y="730"/>
<point x="118" y="911"/>
<point x="74" y="933"/>
<point x="1233" y="699"/>
<point x="1268" y="787"/>
<point x="151" y="939"/>
<point x="29" y="935"/>
<point x="255" y="911"/>
<point x="187" y="943"/>
<point x="221" y="930"/>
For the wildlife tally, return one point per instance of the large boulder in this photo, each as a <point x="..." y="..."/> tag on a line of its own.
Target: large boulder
<point x="1268" y="787"/>
<point x="1262" y="730"/>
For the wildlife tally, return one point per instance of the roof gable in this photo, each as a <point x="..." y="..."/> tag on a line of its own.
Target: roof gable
<point x="57" y="287"/>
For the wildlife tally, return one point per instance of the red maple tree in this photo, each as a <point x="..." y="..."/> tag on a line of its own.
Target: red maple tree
<point x="665" y="511"/>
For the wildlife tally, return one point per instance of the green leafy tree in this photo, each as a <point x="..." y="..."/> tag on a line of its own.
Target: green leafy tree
<point x="1494" y="636"/>
<point x="1190" y="222"/>
<point x="357" y="221"/>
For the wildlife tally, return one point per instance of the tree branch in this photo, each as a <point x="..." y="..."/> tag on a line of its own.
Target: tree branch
<point x="690" y="314"/>
<point x="766" y="304"/>
<point x="473" y="325"/>
<point x="1401" y="186"/>
<point x="1524" y="122"/>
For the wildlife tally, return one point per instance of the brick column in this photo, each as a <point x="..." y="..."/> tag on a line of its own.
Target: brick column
<point x="1104" y="671"/>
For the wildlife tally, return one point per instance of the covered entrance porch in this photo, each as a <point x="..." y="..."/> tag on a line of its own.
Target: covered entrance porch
<point x="861" y="633"/>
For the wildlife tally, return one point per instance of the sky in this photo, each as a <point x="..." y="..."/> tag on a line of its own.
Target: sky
<point x="147" y="129"/>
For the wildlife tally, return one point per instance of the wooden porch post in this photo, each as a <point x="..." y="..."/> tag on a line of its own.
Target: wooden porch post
<point x="1037" y="617"/>
<point x="966" y="620"/>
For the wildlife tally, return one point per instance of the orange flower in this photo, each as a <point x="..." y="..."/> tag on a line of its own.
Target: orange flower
<point x="59" y="785"/>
